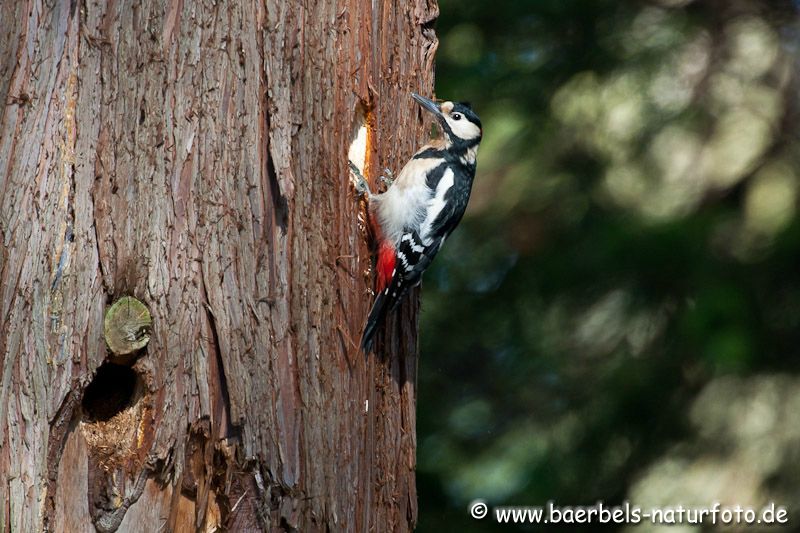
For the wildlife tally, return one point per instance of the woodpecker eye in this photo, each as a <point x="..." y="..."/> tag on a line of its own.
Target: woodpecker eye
<point x="456" y="116"/>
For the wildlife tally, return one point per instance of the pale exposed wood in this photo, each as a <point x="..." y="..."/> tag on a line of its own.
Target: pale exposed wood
<point x="194" y="155"/>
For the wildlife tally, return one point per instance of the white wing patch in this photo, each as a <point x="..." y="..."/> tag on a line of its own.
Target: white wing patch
<point x="436" y="204"/>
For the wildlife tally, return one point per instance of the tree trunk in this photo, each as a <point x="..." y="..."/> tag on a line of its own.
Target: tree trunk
<point x="194" y="156"/>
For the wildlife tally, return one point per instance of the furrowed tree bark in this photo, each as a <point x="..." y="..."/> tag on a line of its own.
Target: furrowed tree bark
<point x="193" y="156"/>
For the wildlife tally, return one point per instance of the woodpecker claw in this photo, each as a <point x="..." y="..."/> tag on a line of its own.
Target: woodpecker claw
<point x="359" y="181"/>
<point x="387" y="178"/>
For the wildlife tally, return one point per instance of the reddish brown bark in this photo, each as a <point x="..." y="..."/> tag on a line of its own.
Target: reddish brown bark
<point x="194" y="155"/>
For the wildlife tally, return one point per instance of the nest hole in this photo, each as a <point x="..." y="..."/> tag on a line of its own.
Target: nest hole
<point x="112" y="390"/>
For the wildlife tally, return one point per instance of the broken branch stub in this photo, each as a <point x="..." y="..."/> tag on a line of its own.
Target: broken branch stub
<point x="127" y="326"/>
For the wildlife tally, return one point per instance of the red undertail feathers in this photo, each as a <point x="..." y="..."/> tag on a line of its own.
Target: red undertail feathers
<point x="385" y="265"/>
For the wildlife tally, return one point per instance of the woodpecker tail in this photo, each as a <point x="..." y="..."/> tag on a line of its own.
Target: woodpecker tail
<point x="375" y="319"/>
<point x="385" y="267"/>
<point x="398" y="270"/>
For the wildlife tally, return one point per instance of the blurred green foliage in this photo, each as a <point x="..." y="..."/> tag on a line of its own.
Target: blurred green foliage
<point x="618" y="316"/>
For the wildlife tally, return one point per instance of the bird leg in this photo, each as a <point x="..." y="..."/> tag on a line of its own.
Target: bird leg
<point x="387" y="178"/>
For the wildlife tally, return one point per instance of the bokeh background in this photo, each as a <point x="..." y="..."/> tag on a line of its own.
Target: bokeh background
<point x="618" y="316"/>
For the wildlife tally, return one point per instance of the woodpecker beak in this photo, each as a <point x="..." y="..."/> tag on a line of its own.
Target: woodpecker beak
<point x="427" y="105"/>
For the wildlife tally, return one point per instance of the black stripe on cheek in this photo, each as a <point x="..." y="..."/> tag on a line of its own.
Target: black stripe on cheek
<point x="430" y="153"/>
<point x="446" y="127"/>
<point x="462" y="145"/>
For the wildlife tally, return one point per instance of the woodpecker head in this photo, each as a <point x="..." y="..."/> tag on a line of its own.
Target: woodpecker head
<point x="460" y="124"/>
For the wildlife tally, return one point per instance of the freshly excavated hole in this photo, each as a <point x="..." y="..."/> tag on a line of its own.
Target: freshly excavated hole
<point x="359" y="143"/>
<point x="111" y="391"/>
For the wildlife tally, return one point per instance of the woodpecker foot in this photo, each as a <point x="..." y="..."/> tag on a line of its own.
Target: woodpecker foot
<point x="387" y="178"/>
<point x="359" y="181"/>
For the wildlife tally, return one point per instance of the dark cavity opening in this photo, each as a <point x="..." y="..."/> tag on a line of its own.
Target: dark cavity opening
<point x="110" y="392"/>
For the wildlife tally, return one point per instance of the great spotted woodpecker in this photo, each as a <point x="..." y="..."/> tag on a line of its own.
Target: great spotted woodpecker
<point x="412" y="219"/>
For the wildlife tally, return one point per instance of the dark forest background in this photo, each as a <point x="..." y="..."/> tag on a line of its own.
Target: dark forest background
<point x="618" y="316"/>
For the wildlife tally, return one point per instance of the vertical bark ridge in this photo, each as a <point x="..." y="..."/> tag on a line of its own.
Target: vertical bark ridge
<point x="194" y="155"/>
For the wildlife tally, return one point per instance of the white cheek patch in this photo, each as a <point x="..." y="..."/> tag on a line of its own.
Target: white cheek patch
<point x="463" y="129"/>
